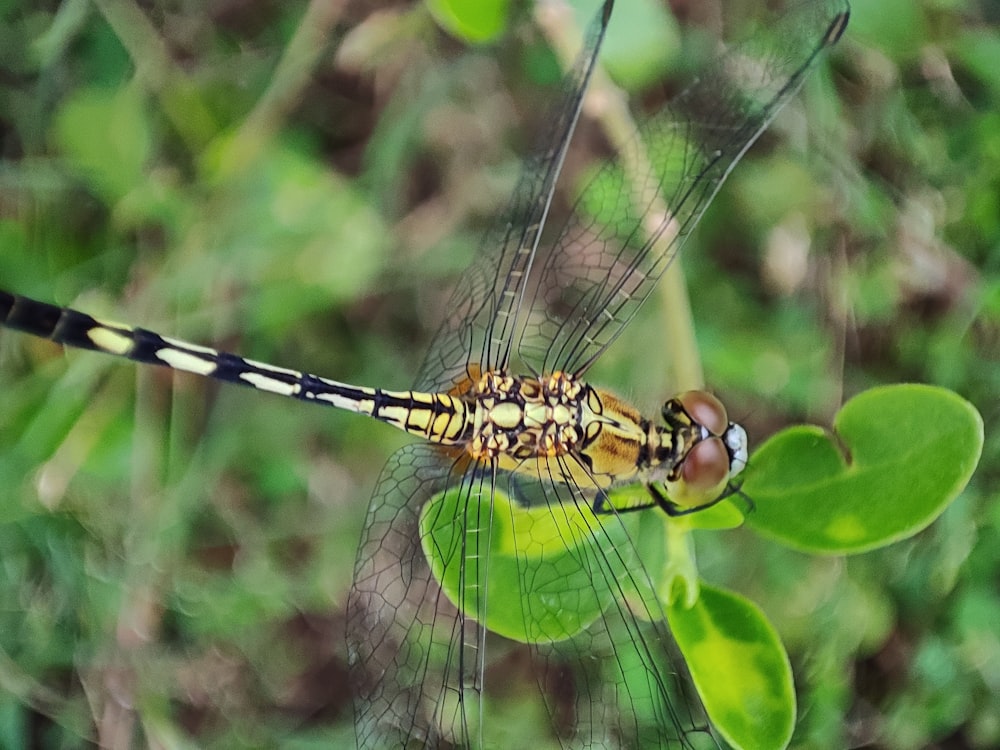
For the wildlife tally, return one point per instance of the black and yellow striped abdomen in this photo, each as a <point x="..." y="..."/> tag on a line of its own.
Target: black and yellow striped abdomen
<point x="437" y="417"/>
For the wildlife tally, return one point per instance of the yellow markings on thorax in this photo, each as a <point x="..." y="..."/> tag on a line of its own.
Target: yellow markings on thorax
<point x="506" y="416"/>
<point x="525" y="418"/>
<point x="562" y="429"/>
<point x="615" y="437"/>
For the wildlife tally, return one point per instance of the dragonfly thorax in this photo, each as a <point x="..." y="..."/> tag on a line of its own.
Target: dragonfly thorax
<point x="694" y="453"/>
<point x="560" y="427"/>
<point x="525" y="417"/>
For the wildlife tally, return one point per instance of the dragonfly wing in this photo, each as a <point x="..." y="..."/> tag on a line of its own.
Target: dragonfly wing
<point x="416" y="660"/>
<point x="632" y="217"/>
<point x="560" y="584"/>
<point x="619" y="680"/>
<point x="481" y="315"/>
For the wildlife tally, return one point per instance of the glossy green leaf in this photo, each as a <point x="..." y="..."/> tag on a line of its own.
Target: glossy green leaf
<point x="739" y="666"/>
<point x="898" y="455"/>
<point x="474" y="22"/>
<point x="538" y="565"/>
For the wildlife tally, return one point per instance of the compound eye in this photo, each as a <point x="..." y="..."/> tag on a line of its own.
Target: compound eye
<point x="705" y="471"/>
<point x="706" y="410"/>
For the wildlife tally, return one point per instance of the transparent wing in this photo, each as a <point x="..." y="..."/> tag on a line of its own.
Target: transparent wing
<point x="633" y="216"/>
<point x="569" y="586"/>
<point x="416" y="660"/>
<point x="481" y="314"/>
<point x="620" y="678"/>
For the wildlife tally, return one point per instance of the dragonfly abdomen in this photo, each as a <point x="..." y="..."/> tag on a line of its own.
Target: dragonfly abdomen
<point x="438" y="417"/>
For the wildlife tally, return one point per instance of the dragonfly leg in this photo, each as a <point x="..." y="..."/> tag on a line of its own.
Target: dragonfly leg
<point x="605" y="505"/>
<point x="674" y="510"/>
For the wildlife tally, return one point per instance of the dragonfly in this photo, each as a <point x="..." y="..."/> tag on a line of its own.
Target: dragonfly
<point x="514" y="439"/>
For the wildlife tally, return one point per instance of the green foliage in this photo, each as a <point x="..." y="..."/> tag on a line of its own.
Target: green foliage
<point x="473" y="22"/>
<point x="554" y="554"/>
<point x="739" y="666"/>
<point x="897" y="457"/>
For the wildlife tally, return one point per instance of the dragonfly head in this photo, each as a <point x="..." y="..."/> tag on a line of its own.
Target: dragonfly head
<point x="717" y="452"/>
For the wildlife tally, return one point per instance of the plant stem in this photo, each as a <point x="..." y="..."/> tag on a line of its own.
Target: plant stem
<point x="608" y="105"/>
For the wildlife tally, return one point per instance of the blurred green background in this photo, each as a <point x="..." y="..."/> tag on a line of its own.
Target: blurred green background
<point x="298" y="182"/>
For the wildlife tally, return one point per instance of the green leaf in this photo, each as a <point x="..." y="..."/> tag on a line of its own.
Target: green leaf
<point x="642" y="42"/>
<point x="540" y="564"/>
<point x="739" y="666"/>
<point x="898" y="456"/>
<point x="474" y="22"/>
